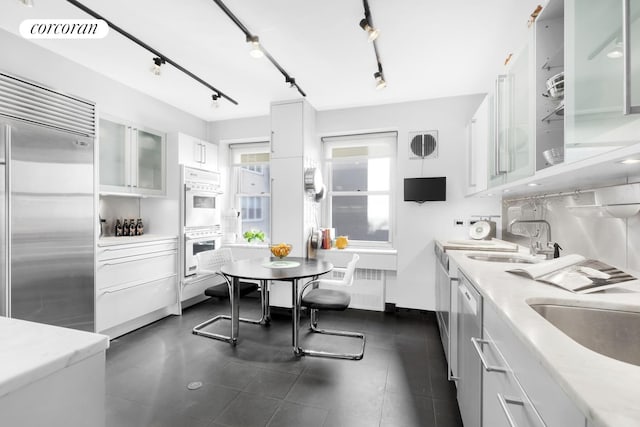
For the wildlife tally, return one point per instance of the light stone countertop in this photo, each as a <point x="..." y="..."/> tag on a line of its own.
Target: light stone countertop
<point x="30" y="351"/>
<point x="606" y="390"/>
<point x="122" y="240"/>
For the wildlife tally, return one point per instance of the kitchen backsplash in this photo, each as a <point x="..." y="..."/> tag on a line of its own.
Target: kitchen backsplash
<point x="589" y="230"/>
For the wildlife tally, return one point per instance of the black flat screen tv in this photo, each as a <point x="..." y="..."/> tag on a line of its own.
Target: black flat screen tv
<point x="425" y="189"/>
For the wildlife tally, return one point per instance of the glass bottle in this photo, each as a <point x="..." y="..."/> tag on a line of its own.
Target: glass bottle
<point x="139" y="227"/>
<point x="125" y="227"/>
<point x="132" y="227"/>
<point x="118" y="229"/>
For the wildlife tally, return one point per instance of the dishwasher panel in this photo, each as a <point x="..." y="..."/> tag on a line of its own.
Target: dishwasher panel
<point x="469" y="365"/>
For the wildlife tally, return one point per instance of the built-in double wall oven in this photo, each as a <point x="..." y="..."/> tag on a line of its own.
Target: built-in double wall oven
<point x="201" y="215"/>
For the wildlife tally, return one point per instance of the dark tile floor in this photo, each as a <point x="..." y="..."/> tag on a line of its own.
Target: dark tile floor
<point x="401" y="381"/>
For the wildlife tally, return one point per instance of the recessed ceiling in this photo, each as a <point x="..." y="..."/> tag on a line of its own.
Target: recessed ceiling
<point x="427" y="49"/>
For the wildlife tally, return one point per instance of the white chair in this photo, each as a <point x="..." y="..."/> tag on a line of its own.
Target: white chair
<point x="209" y="262"/>
<point x="329" y="299"/>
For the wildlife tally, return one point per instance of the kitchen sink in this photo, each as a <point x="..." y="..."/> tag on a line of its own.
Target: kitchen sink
<point x="502" y="258"/>
<point x="613" y="333"/>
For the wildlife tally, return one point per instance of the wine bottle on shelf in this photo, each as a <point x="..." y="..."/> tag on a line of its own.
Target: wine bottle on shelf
<point x="132" y="227"/>
<point x="118" y="229"/>
<point x="125" y="227"/>
<point x="139" y="227"/>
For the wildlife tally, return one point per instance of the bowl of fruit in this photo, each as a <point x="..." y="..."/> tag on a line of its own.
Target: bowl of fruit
<point x="281" y="250"/>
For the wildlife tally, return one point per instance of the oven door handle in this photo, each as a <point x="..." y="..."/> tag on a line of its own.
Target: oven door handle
<point x="191" y="190"/>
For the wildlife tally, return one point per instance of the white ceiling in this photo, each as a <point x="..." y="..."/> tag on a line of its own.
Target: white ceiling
<point x="428" y="49"/>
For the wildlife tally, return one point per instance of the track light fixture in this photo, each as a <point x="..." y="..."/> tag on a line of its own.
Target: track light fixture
<point x="214" y="100"/>
<point x="257" y="49"/>
<point x="367" y="25"/>
<point x="163" y="58"/>
<point x="27" y="3"/>
<point x="373" y="32"/>
<point x="380" y="82"/>
<point x="157" y="63"/>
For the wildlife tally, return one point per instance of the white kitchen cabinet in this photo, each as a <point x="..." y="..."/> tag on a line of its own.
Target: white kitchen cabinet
<point x="502" y="397"/>
<point x="195" y="152"/>
<point x="132" y="159"/>
<point x="134" y="280"/>
<point x="287" y="129"/>
<point x="480" y="132"/>
<point x="524" y="379"/>
<point x="512" y="148"/>
<point x="601" y="112"/>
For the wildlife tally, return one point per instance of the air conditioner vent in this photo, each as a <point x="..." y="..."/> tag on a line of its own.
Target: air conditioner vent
<point x="423" y="145"/>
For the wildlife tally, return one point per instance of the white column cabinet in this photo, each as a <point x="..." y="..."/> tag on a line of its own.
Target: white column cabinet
<point x="132" y="159"/>
<point x="287" y="129"/>
<point x="597" y="119"/>
<point x="195" y="152"/>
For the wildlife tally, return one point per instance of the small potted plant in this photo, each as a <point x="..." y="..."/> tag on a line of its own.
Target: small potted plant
<point x="254" y="236"/>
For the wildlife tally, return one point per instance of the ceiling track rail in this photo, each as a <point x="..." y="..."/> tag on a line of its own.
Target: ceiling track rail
<point x="249" y="36"/>
<point x="160" y="55"/>
<point x="367" y="15"/>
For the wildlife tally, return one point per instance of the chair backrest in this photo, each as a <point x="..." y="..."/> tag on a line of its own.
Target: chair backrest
<point x="350" y="271"/>
<point x="213" y="260"/>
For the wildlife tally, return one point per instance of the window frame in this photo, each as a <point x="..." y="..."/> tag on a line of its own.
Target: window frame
<point x="346" y="140"/>
<point x="256" y="168"/>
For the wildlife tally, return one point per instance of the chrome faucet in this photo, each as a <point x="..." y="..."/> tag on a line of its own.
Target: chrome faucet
<point x="548" y="249"/>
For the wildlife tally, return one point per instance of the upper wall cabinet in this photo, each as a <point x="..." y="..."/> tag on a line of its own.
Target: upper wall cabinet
<point x="512" y="148"/>
<point x="195" y="152"/>
<point x="603" y="76"/>
<point x="132" y="160"/>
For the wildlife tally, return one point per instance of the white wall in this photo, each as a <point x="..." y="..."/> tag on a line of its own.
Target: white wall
<point x="416" y="225"/>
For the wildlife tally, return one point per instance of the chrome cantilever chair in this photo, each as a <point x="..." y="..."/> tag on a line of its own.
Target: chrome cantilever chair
<point x="329" y="299"/>
<point x="210" y="262"/>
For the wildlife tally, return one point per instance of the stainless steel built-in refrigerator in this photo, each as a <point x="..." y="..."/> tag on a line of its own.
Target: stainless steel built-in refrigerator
<point x="47" y="205"/>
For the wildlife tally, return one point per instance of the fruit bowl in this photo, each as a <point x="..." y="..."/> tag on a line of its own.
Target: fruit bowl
<point x="281" y="250"/>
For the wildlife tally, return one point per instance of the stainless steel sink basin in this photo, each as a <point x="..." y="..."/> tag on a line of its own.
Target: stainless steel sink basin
<point x="613" y="333"/>
<point x="502" y="258"/>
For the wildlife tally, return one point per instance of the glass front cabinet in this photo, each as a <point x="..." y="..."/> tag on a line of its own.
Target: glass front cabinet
<point x="132" y="160"/>
<point x="602" y="94"/>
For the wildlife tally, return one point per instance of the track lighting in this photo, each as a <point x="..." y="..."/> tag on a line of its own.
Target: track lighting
<point x="27" y="3"/>
<point x="373" y="32"/>
<point x="157" y="63"/>
<point x="256" y="50"/>
<point x="214" y="100"/>
<point x="159" y="58"/>
<point x="380" y="82"/>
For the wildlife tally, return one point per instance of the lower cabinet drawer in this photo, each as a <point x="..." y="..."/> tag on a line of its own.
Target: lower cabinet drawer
<point x="504" y="403"/>
<point x="550" y="401"/>
<point x="120" y="304"/>
<point x="131" y="249"/>
<point x="135" y="269"/>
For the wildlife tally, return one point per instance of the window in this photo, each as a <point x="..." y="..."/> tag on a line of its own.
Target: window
<point x="360" y="181"/>
<point x="251" y="175"/>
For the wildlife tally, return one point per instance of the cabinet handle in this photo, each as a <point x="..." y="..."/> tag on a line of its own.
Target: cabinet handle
<point x="272" y="142"/>
<point x="504" y="402"/>
<point x="627" y="107"/>
<point x="204" y="154"/>
<point x="497" y="149"/>
<point x="472" y="180"/>
<point x="137" y="259"/>
<point x="489" y="368"/>
<point x="108" y="291"/>
<point x="450" y="376"/>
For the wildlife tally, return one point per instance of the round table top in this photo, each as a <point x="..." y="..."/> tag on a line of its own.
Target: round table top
<point x="257" y="269"/>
